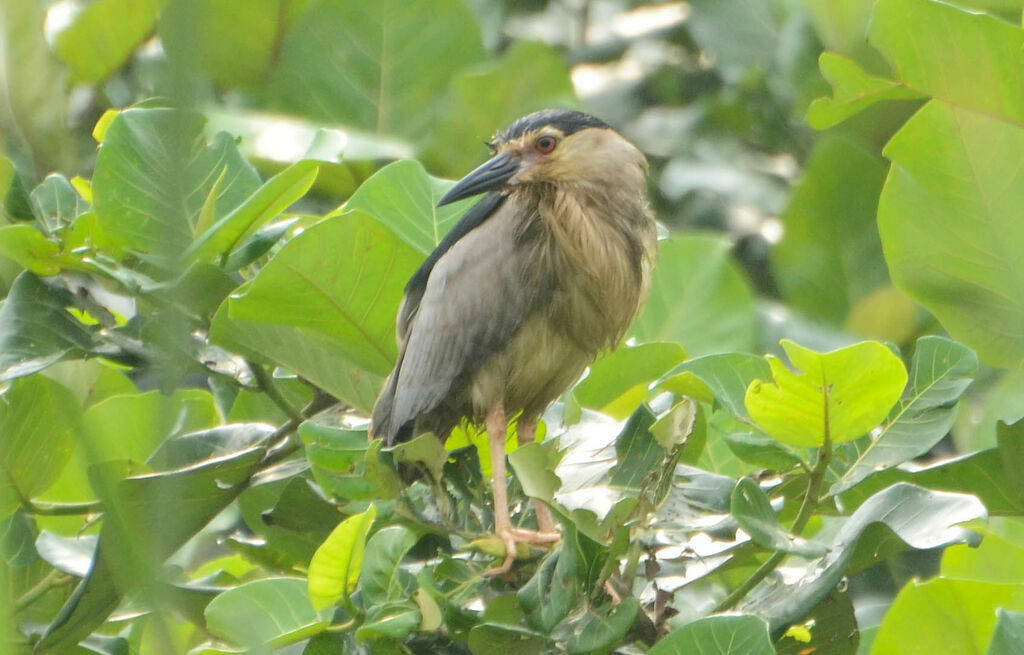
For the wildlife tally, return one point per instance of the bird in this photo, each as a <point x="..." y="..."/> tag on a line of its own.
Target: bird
<point x="547" y="270"/>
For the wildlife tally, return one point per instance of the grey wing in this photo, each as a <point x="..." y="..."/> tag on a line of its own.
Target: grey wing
<point x="477" y="296"/>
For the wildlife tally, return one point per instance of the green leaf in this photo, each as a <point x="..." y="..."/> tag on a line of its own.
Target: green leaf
<point x="334" y="570"/>
<point x="37" y="92"/>
<point x="842" y="394"/>
<point x="391" y="620"/>
<point x="315" y="356"/>
<point x="387" y="66"/>
<point x="264" y="613"/>
<point x="148" y="517"/>
<point x="951" y="217"/>
<point x="601" y="631"/>
<point x="340" y="283"/>
<point x="983" y="72"/>
<point x="728" y="375"/>
<point x="830" y="255"/>
<point x="206" y="35"/>
<point x="39" y="421"/>
<point x="35" y="328"/>
<point x="1009" y="633"/>
<point x="637" y="451"/>
<point x="70" y="555"/>
<point x="853" y="91"/>
<point x="718" y="635"/>
<point x="404" y="197"/>
<point x="258" y="244"/>
<point x="530" y="75"/>
<point x="55" y="202"/>
<point x="939" y="374"/>
<point x="343" y="462"/>
<point x="993" y="475"/>
<point x="996" y="559"/>
<point x="832" y="627"/>
<point x="552" y="592"/>
<point x="945" y="616"/>
<point x="532" y="467"/>
<point x="103" y="36"/>
<point x="488" y="637"/>
<point x="698" y="298"/>
<point x="131" y="426"/>
<point x="920" y="518"/>
<point x="30" y="248"/>
<point x="383" y="579"/>
<point x="153" y="174"/>
<point x="618" y="382"/>
<point x="752" y="510"/>
<point x="276" y="195"/>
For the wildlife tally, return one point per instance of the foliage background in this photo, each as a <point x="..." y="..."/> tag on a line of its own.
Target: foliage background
<point x="236" y="249"/>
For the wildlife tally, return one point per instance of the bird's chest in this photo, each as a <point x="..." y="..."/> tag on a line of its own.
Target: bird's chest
<point x="599" y="273"/>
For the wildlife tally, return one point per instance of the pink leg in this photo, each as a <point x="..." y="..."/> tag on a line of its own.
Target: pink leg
<point x="527" y="430"/>
<point x="496" y="431"/>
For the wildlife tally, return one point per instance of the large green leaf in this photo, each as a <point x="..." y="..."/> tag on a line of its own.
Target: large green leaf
<point x="104" y="35"/>
<point x="1009" y="633"/>
<point x="939" y="374"/>
<point x="148" y="517"/>
<point x="984" y="70"/>
<point x="698" y="298"/>
<point x="993" y="475"/>
<point x="206" y="35"/>
<point x="951" y="217"/>
<point x="529" y="76"/>
<point x="718" y="635"/>
<point x="403" y="197"/>
<point x="830" y="255"/>
<point x="315" y="356"/>
<point x="264" y="613"/>
<point x="339" y="283"/>
<point x="36" y="329"/>
<point x="945" y="616"/>
<point x="918" y="517"/>
<point x="853" y="90"/>
<point x="154" y="173"/>
<point x="839" y="395"/>
<point x="39" y="421"/>
<point x="377" y="66"/>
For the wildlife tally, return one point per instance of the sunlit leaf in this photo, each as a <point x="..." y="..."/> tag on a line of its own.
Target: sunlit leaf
<point x="839" y="395"/>
<point x="334" y="570"/>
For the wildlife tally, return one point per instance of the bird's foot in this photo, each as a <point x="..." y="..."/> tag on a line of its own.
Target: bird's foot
<point x="512" y="537"/>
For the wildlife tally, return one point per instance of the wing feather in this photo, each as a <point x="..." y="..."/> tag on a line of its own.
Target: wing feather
<point x="476" y="296"/>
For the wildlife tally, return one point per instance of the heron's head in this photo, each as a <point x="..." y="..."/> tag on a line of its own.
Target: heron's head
<point x="555" y="147"/>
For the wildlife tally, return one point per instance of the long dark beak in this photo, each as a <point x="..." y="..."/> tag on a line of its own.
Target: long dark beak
<point x="488" y="176"/>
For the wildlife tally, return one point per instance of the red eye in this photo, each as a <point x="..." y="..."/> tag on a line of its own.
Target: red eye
<point x="546" y="144"/>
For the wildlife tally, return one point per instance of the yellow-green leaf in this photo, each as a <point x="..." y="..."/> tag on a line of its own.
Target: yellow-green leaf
<point x="842" y="394"/>
<point x="334" y="569"/>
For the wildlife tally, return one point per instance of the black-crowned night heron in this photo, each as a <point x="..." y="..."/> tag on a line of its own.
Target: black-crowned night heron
<point x="545" y="271"/>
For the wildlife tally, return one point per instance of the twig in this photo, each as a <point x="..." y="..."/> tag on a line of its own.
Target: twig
<point x="61" y="509"/>
<point x="266" y="382"/>
<point x="807" y="508"/>
<point x="54" y="578"/>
